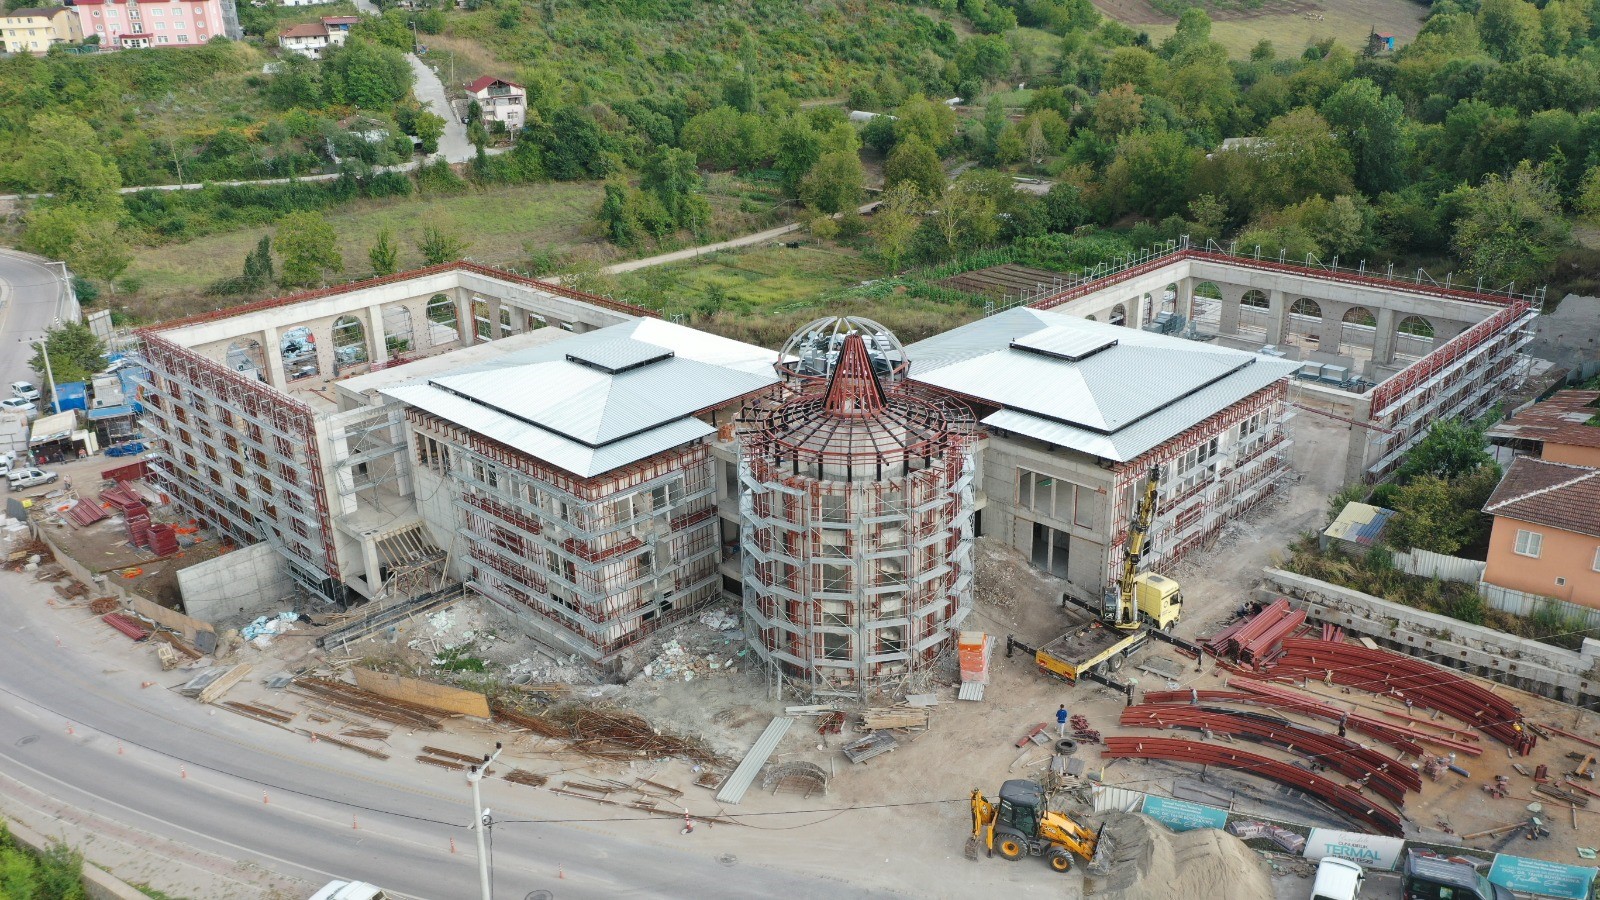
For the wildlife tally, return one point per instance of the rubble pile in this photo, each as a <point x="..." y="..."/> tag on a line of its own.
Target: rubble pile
<point x="693" y="652"/>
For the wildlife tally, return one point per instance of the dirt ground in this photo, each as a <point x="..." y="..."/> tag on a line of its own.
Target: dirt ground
<point x="1289" y="24"/>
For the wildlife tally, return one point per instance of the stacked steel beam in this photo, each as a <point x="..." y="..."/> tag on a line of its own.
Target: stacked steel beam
<point x="1288" y="701"/>
<point x="1333" y="794"/>
<point x="1402" y="677"/>
<point x="1384" y="776"/>
<point x="1257" y="640"/>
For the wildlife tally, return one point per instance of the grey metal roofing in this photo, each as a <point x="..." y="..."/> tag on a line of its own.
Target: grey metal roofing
<point x="1068" y="343"/>
<point x="744" y="775"/>
<point x="589" y="420"/>
<point x="1115" y="403"/>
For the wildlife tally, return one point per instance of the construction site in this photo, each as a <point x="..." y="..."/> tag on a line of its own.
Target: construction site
<point x="695" y="579"/>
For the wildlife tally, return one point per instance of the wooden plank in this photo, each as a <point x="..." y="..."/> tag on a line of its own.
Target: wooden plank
<point x="216" y="689"/>
<point x="422" y="693"/>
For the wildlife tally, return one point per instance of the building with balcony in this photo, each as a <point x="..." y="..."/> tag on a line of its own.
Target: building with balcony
<point x="35" y="29"/>
<point x="132" y="24"/>
<point x="501" y="101"/>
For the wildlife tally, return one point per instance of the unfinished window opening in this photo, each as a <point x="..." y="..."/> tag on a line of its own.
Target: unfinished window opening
<point x="443" y="326"/>
<point x="1414" y="337"/>
<point x="298" y="347"/>
<point x="835" y="508"/>
<point x="836" y="647"/>
<point x="1357" y="332"/>
<point x="1050" y="550"/>
<point x="835" y="578"/>
<point x="482" y="324"/>
<point x="892" y="640"/>
<point x="246" y="358"/>
<point x="834" y="612"/>
<point x="398" y="338"/>
<point x="1119" y="315"/>
<point x="1304" y="326"/>
<point x="349" y="343"/>
<point x="1206" y="306"/>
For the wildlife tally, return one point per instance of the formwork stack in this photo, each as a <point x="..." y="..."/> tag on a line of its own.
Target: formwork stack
<point x="856" y="514"/>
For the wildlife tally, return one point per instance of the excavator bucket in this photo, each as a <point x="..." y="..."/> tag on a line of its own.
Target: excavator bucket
<point x="974" y="844"/>
<point x="1104" y="853"/>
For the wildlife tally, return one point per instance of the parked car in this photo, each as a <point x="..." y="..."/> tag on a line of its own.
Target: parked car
<point x="22" y="479"/>
<point x="25" y="390"/>
<point x="350" y="890"/>
<point x="1429" y="877"/>
<point x="18" y="404"/>
<point x="1337" y="879"/>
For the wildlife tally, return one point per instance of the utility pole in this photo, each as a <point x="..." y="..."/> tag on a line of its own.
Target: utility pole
<point x="480" y="817"/>
<point x="44" y="352"/>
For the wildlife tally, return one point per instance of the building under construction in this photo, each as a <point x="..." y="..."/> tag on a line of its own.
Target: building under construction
<point x="857" y="509"/>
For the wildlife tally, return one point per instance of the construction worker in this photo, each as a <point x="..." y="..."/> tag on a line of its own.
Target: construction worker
<point x="1061" y="721"/>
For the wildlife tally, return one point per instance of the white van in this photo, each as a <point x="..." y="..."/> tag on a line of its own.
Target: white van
<point x="350" y="890"/>
<point x="1337" y="879"/>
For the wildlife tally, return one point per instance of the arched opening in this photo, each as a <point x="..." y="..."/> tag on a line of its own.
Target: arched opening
<point x="1255" y="314"/>
<point x="398" y="338"/>
<point x="1413" y="337"/>
<point x="1119" y="315"/>
<point x="349" y="343"/>
<point x="298" y="347"/>
<point x="1169" y="298"/>
<point x="1207" y="306"/>
<point x="443" y="327"/>
<point x="1091" y="318"/>
<point x="246" y="358"/>
<point x="1304" y="328"/>
<point x="1147" y="307"/>
<point x="483" y="325"/>
<point x="1358" y="328"/>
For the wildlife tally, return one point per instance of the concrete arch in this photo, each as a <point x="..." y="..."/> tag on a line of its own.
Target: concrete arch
<point x="1414" y="337"/>
<point x="1119" y="315"/>
<point x="1255" y="300"/>
<point x="1357" y="332"/>
<point x="298" y="348"/>
<point x="398" y="335"/>
<point x="1169" y="298"/>
<point x="484" y="324"/>
<point x="246" y="357"/>
<point x="348" y="338"/>
<point x="1091" y="318"/>
<point x="1303" y="324"/>
<point x="1206" y="303"/>
<point x="444" y="325"/>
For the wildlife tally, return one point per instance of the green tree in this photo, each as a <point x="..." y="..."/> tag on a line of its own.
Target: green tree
<point x="258" y="265"/>
<point x="1150" y="172"/>
<point x="75" y="353"/>
<point x="932" y="123"/>
<point x="60" y="158"/>
<point x="1588" y="200"/>
<point x="896" y="221"/>
<point x="796" y="150"/>
<point x="1370" y="125"/>
<point x="834" y="184"/>
<point x="1452" y="448"/>
<point x="309" y="248"/>
<point x="1509" y="29"/>
<point x="437" y="246"/>
<point x="1299" y="157"/>
<point x="383" y="254"/>
<point x="671" y="177"/>
<point x="1512" y="229"/>
<point x="916" y="162"/>
<point x="430" y="128"/>
<point x="1443" y="515"/>
<point x="89" y="244"/>
<point x="573" y="146"/>
<point x="366" y="74"/>
<point x="617" y="214"/>
<point x="1117" y="112"/>
<point x="966" y="217"/>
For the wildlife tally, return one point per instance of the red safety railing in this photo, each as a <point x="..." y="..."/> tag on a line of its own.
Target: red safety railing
<point x="1396" y="386"/>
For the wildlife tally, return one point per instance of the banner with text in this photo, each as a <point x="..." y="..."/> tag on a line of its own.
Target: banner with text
<point x="1537" y="876"/>
<point x="1369" y="850"/>
<point x="1181" y="815"/>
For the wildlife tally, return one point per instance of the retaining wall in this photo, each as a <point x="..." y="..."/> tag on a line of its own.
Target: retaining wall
<point x="98" y="884"/>
<point x="1566" y="675"/>
<point x="240" y="584"/>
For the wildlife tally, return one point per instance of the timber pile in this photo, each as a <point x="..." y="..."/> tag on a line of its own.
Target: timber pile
<point x="913" y="718"/>
<point x="350" y="697"/>
<point x="518" y="776"/>
<point x="605" y="734"/>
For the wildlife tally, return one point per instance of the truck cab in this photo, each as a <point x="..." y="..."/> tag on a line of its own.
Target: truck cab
<point x="1430" y="877"/>
<point x="1337" y="879"/>
<point x="1158" y="599"/>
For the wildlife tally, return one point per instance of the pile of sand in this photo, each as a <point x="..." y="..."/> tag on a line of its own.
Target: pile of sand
<point x="1144" y="860"/>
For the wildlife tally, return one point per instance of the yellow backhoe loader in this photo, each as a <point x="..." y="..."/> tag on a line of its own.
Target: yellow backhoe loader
<point x="1020" y="825"/>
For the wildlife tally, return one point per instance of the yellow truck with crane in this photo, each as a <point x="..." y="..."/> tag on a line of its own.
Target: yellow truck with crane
<point x="1139" y="606"/>
<point x="1022" y="825"/>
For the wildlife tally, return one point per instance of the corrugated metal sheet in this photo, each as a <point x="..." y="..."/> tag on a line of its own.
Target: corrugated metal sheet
<point x="1359" y="523"/>
<point x="1144" y="376"/>
<point x="1120" y="799"/>
<point x="734" y="788"/>
<point x="53" y="428"/>
<point x="971" y="690"/>
<point x="618" y="354"/>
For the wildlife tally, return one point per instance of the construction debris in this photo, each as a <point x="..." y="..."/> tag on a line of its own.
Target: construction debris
<point x="734" y="788"/>
<point x="908" y="717"/>
<point x="603" y="733"/>
<point x="874" y="744"/>
<point x="216" y="689"/>
<point x="125" y="625"/>
<point x="529" y="779"/>
<point x="798" y="777"/>
<point x="350" y="697"/>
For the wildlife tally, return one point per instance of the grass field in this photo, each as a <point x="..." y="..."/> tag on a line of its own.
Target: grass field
<point x="497" y="224"/>
<point x="1288" y="25"/>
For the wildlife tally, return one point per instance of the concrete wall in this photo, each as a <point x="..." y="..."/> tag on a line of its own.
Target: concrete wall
<point x="1569" y="336"/>
<point x="243" y="584"/>
<point x="1566" y="675"/>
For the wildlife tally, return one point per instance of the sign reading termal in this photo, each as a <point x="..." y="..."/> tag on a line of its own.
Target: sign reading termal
<point x="1368" y="850"/>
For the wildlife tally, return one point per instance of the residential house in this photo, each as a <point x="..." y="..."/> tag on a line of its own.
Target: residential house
<point x="339" y="28"/>
<point x="306" y="40"/>
<point x="1564" y="428"/>
<point x="501" y="101"/>
<point x="303" y="2"/>
<point x="132" y="24"/>
<point x="1546" y="537"/>
<point x="35" y="30"/>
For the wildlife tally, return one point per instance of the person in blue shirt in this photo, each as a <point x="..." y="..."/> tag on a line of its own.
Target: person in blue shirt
<point x="1061" y="720"/>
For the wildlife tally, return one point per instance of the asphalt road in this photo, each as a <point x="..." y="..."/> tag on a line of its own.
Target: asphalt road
<point x="430" y="90"/>
<point x="121" y="762"/>
<point x="28" y="307"/>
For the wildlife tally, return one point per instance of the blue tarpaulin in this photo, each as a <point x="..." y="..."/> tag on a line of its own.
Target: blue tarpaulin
<point x="110" y="412"/>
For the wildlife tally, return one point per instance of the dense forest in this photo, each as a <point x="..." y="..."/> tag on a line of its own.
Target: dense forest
<point x="1474" y="148"/>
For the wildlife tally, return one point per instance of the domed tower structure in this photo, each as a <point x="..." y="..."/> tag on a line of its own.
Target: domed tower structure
<point x="857" y="514"/>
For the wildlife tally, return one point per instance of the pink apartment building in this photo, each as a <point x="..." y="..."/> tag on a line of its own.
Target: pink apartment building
<point x="129" y="24"/>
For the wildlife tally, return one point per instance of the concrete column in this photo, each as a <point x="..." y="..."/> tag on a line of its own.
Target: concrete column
<point x="1332" y="324"/>
<point x="1136" y="317"/>
<point x="272" y="356"/>
<point x="496" y="330"/>
<point x="1183" y="303"/>
<point x="1277" y="317"/>
<point x="377" y="340"/>
<point x="369" y="557"/>
<point x="1228" y="320"/>
<point x="466" y="325"/>
<point x="1383" y="339"/>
